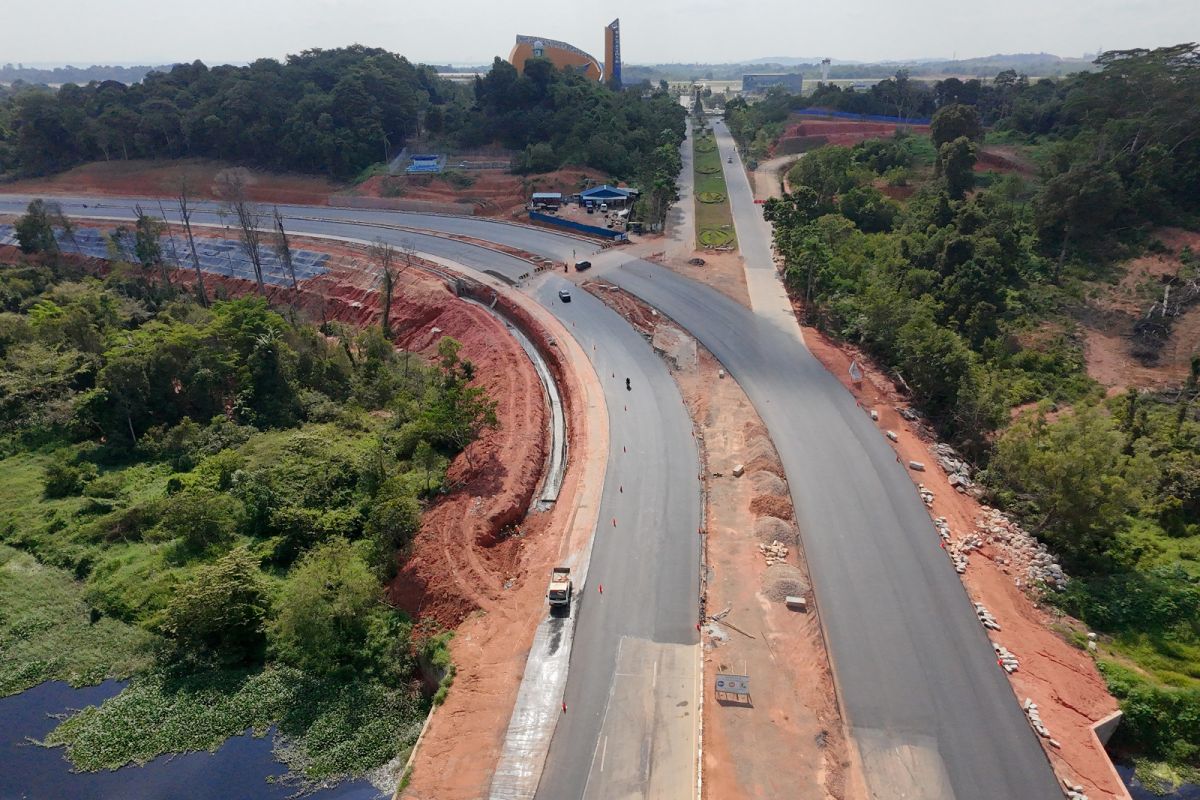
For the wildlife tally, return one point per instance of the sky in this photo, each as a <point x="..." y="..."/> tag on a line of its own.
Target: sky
<point x="83" y="32"/>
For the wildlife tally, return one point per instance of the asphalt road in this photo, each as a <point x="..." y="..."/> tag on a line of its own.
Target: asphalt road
<point x="359" y="223"/>
<point x="649" y="563"/>
<point x="932" y="713"/>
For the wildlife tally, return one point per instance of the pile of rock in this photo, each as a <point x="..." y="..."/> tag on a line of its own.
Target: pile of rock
<point x="957" y="471"/>
<point x="960" y="549"/>
<point x="1035" y="722"/>
<point x="775" y="552"/>
<point x="1007" y="660"/>
<point x="1029" y="560"/>
<point x="985" y="618"/>
<point x="1073" y="791"/>
<point x="926" y="495"/>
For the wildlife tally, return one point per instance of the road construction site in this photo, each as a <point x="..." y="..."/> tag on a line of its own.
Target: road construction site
<point x="891" y="676"/>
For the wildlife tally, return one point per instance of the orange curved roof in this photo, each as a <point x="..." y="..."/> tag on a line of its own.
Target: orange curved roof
<point x="560" y="54"/>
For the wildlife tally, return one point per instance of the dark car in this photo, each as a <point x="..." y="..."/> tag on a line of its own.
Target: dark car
<point x="564" y="295"/>
<point x="580" y="266"/>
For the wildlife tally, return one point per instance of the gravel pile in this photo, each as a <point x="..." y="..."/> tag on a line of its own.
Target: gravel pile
<point x="768" y="483"/>
<point x="774" y="529"/>
<point x="783" y="580"/>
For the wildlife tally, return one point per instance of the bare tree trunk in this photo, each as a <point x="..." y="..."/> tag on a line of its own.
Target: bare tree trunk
<point x="284" y="250"/>
<point x="384" y="256"/>
<point x="185" y="213"/>
<point x="232" y="187"/>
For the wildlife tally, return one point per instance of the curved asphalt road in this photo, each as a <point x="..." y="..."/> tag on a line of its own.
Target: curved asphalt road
<point x="930" y="710"/>
<point x="648" y="564"/>
<point x="357" y="223"/>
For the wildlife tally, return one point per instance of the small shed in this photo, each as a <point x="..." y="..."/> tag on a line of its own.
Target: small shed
<point x="613" y="196"/>
<point x="547" y="199"/>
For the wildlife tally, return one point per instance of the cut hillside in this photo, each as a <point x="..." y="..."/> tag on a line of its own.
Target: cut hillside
<point x="491" y="192"/>
<point x="161" y="178"/>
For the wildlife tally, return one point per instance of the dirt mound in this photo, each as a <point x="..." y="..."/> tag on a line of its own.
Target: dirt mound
<point x="764" y="464"/>
<point x="774" y="529"/>
<point x="768" y="483"/>
<point x="754" y="429"/>
<point x="766" y="505"/>
<point x="783" y="580"/>
<point x="759" y="447"/>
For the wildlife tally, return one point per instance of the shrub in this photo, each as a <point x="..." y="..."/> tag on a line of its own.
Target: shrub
<point x="64" y="479"/>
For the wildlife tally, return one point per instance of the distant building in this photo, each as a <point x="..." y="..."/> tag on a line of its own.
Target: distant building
<point x="612" y="196"/>
<point x="612" y="53"/>
<point x="758" y="83"/>
<point x="567" y="56"/>
<point x="560" y="54"/>
<point x="547" y="199"/>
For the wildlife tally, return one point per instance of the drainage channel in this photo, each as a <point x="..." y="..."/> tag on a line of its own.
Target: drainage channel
<point x="556" y="461"/>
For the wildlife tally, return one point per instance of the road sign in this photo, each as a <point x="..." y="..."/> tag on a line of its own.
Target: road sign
<point x="733" y="684"/>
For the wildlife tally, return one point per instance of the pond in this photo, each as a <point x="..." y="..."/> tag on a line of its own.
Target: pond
<point x="239" y="770"/>
<point x="1188" y="791"/>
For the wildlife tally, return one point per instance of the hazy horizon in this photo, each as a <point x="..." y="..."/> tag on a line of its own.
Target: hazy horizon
<point x="131" y="32"/>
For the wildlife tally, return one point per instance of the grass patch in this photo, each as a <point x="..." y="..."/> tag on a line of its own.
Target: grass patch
<point x="714" y="220"/>
<point x="329" y="727"/>
<point x="47" y="633"/>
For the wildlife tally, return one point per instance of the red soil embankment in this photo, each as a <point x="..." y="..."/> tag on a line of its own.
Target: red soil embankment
<point x="808" y="134"/>
<point x="154" y="178"/>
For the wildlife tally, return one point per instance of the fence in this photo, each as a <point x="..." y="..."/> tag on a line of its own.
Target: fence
<point x="590" y="230"/>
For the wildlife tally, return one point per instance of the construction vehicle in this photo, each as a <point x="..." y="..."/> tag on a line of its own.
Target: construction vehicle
<point x="559" y="593"/>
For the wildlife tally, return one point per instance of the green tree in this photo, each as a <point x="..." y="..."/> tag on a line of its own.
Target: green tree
<point x="325" y="609"/>
<point x="394" y="519"/>
<point x="147" y="245"/>
<point x="221" y="610"/>
<point x="954" y="121"/>
<point x="956" y="164"/>
<point x="35" y="229"/>
<point x="457" y="413"/>
<point x="199" y="518"/>
<point x="1072" y="477"/>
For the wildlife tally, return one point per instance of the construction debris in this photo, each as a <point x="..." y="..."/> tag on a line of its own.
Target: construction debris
<point x="892" y="435"/>
<point x="796" y="603"/>
<point x="926" y="495"/>
<point x="916" y="466"/>
<point x="775" y="552"/>
<point x="985" y="618"/>
<point x="738" y="470"/>
<point x="1022" y="555"/>
<point x="1007" y="660"/>
<point x="957" y="471"/>
<point x="1073" y="791"/>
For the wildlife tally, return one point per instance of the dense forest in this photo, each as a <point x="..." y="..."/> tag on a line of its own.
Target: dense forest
<point x="208" y="500"/>
<point x="56" y="76"/>
<point x="966" y="289"/>
<point x="337" y="112"/>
